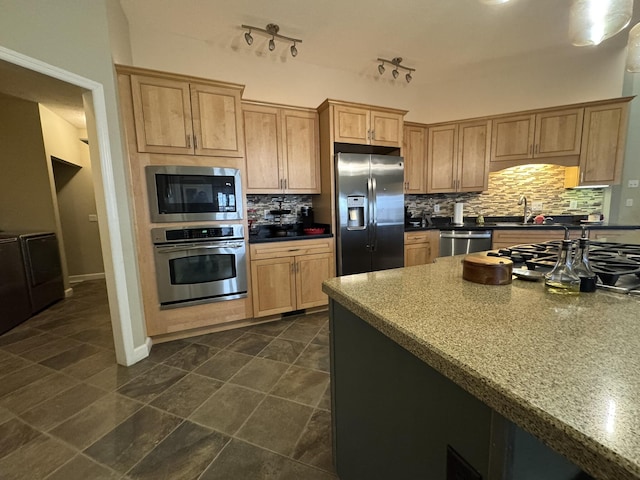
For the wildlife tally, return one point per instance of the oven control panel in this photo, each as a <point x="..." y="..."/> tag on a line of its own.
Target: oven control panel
<point x="188" y="234"/>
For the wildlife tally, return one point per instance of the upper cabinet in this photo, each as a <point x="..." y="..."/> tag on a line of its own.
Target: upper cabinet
<point x="179" y="117"/>
<point x="603" y="144"/>
<point x="540" y="135"/>
<point x="282" y="149"/>
<point x="365" y="125"/>
<point x="458" y="157"/>
<point x="415" y="155"/>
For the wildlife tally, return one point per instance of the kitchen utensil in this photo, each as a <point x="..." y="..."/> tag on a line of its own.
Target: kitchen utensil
<point x="530" y="275"/>
<point x="458" y="213"/>
<point x="479" y="268"/>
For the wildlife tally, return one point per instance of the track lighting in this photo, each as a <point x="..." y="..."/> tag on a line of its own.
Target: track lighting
<point x="248" y="38"/>
<point x="396" y="62"/>
<point x="271" y="30"/>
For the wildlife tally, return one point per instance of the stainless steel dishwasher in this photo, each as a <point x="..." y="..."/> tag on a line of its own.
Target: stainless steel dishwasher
<point x="457" y="242"/>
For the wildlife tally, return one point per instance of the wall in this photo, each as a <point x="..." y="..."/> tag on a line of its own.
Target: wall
<point x="25" y="194"/>
<point x="503" y="85"/>
<point x="539" y="183"/>
<point x="75" y="195"/>
<point x="75" y="36"/>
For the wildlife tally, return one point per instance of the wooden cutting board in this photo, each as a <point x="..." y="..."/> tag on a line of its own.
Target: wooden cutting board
<point x="479" y="268"/>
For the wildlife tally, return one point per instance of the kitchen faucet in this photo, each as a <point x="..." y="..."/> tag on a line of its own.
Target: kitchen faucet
<point x="527" y="209"/>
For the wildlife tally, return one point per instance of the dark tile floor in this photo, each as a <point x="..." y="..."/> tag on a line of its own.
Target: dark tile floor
<point x="243" y="404"/>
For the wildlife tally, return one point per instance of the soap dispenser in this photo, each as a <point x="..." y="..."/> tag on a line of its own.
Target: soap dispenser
<point x="562" y="279"/>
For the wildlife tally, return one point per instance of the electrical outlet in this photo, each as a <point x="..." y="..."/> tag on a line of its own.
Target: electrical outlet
<point x="436" y="209"/>
<point x="633" y="183"/>
<point x="536" y="206"/>
<point x="266" y="213"/>
<point x="93" y="217"/>
<point x="629" y="202"/>
<point x="573" y="204"/>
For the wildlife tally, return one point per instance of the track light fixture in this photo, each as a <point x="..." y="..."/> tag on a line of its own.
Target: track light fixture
<point x="396" y="62"/>
<point x="271" y="30"/>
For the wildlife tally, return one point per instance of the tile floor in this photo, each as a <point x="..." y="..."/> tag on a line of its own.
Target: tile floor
<point x="243" y="404"/>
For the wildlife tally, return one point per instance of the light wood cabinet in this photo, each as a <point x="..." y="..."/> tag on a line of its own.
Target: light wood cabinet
<point x="367" y="126"/>
<point x="415" y="159"/>
<point x="540" y="135"/>
<point x="288" y="276"/>
<point x="421" y="247"/>
<point x="502" y="238"/>
<point x="603" y="144"/>
<point x="458" y="157"/>
<point x="282" y="149"/>
<point x="179" y="117"/>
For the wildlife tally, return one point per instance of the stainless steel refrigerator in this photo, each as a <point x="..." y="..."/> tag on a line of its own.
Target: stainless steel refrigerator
<point x="370" y="204"/>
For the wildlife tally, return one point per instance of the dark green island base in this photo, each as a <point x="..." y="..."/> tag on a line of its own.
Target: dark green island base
<point x="519" y="383"/>
<point x="397" y="418"/>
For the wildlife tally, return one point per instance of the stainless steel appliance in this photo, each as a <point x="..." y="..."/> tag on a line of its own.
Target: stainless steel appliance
<point x="200" y="264"/>
<point x="370" y="205"/>
<point x="617" y="265"/>
<point x="189" y="193"/>
<point x="15" y="306"/>
<point x="457" y="242"/>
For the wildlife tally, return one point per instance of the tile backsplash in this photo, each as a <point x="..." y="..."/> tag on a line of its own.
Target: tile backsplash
<point x="261" y="203"/>
<point x="539" y="183"/>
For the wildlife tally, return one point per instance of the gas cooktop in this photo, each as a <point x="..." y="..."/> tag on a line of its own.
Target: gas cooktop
<point x="616" y="264"/>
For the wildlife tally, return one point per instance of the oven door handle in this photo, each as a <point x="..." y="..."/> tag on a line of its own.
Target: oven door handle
<point x="186" y="248"/>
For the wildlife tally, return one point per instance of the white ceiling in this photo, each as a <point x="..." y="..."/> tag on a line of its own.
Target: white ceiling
<point x="436" y="37"/>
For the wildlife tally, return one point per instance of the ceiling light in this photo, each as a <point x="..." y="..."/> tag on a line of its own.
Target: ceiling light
<point x="633" y="50"/>
<point x="593" y="21"/>
<point x="493" y="2"/>
<point x="397" y="63"/>
<point x="271" y="30"/>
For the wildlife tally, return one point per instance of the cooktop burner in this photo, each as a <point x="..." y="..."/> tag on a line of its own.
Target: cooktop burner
<point x="616" y="264"/>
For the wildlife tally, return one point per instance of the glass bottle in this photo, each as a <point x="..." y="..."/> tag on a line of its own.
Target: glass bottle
<point x="562" y="279"/>
<point x="582" y="267"/>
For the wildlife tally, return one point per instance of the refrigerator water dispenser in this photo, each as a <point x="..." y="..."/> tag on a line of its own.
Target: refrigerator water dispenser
<point x="355" y="212"/>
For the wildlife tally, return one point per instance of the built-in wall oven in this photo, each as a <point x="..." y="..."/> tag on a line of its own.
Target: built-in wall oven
<point x="197" y="265"/>
<point x="193" y="194"/>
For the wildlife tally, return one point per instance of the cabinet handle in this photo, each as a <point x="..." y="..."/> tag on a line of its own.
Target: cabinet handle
<point x="188" y="141"/>
<point x="373" y="134"/>
<point x="195" y="141"/>
<point x="281" y="184"/>
<point x="285" y="183"/>
<point x="581" y="177"/>
<point x="536" y="150"/>
<point x="531" y="149"/>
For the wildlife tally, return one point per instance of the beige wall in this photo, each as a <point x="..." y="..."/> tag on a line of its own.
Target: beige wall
<point x="25" y="194"/>
<point x="76" y="36"/>
<point x="505" y="85"/>
<point x="75" y="195"/>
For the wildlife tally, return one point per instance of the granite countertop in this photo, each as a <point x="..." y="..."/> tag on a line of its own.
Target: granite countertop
<point x="502" y="223"/>
<point x="563" y="368"/>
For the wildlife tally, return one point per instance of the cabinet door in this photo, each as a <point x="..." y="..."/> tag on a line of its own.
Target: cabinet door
<point x="418" y="254"/>
<point x="474" y="143"/>
<point x="415" y="159"/>
<point x="558" y="133"/>
<point x="512" y="138"/>
<point x="273" y="286"/>
<point x="351" y="125"/>
<point x="162" y="115"/>
<point x="442" y="157"/>
<point x="216" y="121"/>
<point x="262" y="131"/>
<point x="300" y="151"/>
<point x="386" y="129"/>
<point x="603" y="142"/>
<point x="311" y="271"/>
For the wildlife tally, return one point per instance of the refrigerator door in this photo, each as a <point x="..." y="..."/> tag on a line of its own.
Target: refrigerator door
<point x="387" y="176"/>
<point x="353" y="243"/>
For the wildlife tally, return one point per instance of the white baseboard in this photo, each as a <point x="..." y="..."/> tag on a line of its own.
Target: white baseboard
<point x="142" y="351"/>
<point x="68" y="292"/>
<point x="86" y="277"/>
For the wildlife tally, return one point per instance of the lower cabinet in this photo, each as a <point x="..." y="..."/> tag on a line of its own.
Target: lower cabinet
<point x="421" y="248"/>
<point x="288" y="276"/>
<point x="517" y="236"/>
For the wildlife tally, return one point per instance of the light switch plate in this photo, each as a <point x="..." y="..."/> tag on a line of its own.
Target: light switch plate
<point x="629" y="202"/>
<point x="93" y="217"/>
<point x="633" y="183"/>
<point x="573" y="204"/>
<point x="536" y="206"/>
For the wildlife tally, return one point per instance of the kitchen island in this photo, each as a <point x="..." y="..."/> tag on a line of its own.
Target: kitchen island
<point x="514" y="379"/>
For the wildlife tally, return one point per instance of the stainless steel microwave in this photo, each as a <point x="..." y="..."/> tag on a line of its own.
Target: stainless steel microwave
<point x="188" y="193"/>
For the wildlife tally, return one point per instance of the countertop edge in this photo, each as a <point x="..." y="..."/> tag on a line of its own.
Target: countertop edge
<point x="581" y="449"/>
